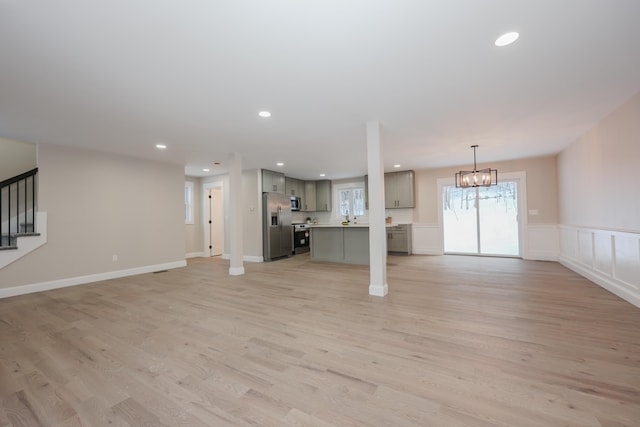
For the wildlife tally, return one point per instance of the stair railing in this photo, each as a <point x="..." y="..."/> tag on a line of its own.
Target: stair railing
<point x="17" y="203"/>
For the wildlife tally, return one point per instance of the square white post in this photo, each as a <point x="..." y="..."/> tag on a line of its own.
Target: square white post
<point x="377" y="224"/>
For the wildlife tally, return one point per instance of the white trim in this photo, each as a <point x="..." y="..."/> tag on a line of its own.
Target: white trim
<point x="247" y="258"/>
<point x="194" y="255"/>
<point x="521" y="179"/>
<point x="205" y="215"/>
<point x="189" y="218"/>
<point x="26" y="244"/>
<point x="81" y="280"/>
<point x="236" y="271"/>
<point x="336" y="188"/>
<point x="378" y="291"/>
<point x="608" y="258"/>
<point x="543" y="242"/>
<point x="427" y="239"/>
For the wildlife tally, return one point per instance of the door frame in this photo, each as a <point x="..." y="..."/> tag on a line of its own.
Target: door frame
<point x="206" y="232"/>
<point x="521" y="180"/>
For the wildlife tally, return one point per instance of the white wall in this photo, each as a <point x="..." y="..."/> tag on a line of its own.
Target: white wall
<point x="600" y="203"/>
<point x="16" y="157"/>
<point x="99" y="205"/>
<point x="251" y="212"/>
<point x="540" y="233"/>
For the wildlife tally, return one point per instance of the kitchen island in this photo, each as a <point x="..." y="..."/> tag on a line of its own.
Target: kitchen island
<point x="340" y="243"/>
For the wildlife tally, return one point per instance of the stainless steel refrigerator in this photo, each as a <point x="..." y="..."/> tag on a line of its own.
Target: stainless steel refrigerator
<point x="277" y="232"/>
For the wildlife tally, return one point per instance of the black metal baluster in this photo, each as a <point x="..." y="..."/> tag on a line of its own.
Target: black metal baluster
<point x="26" y="205"/>
<point x="33" y="203"/>
<point x="9" y="213"/>
<point x="17" y="208"/>
<point x="1" y="239"/>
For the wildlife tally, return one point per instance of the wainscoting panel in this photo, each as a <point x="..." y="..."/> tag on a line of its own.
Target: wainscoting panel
<point x="609" y="258"/>
<point x="585" y="247"/>
<point x="541" y="242"/>
<point x="427" y="239"/>
<point x="602" y="253"/>
<point x="627" y="256"/>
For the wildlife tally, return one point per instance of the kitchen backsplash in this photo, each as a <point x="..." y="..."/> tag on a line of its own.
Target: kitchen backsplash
<point x="397" y="216"/>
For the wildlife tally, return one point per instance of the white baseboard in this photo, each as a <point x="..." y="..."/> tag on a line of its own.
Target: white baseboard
<point x="541" y="242"/>
<point x="82" y="280"/>
<point x="247" y="258"/>
<point x="236" y="271"/>
<point x="541" y="256"/>
<point x="610" y="284"/>
<point x="194" y="255"/>
<point x="26" y="244"/>
<point x="609" y="258"/>
<point x="426" y="239"/>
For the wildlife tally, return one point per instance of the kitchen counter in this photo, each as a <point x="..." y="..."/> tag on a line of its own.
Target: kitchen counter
<point x="348" y="226"/>
<point x="337" y="225"/>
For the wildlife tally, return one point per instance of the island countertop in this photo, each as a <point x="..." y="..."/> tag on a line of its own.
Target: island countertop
<point x="347" y="226"/>
<point x="337" y="225"/>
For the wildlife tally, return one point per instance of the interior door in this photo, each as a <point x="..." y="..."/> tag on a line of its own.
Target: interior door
<point x="214" y="235"/>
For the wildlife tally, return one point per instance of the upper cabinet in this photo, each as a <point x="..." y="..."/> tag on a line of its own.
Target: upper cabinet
<point x="315" y="196"/>
<point x="293" y="187"/>
<point x="398" y="190"/>
<point x="309" y="203"/>
<point x="323" y="195"/>
<point x="272" y="182"/>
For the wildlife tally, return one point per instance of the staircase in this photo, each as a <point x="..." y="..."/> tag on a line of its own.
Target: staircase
<point x="17" y="209"/>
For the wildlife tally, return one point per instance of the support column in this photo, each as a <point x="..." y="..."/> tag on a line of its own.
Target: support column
<point x="236" y="266"/>
<point x="377" y="228"/>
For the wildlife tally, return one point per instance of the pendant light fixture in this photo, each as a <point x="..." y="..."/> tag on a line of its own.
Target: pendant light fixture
<point x="476" y="178"/>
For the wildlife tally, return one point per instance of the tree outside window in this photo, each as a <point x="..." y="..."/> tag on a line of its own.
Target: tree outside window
<point x="188" y="202"/>
<point x="351" y="201"/>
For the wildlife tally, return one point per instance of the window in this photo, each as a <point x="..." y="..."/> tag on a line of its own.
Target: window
<point x="188" y="202"/>
<point x="351" y="201"/>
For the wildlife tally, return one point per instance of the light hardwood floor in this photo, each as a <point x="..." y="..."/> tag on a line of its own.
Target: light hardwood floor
<point x="459" y="341"/>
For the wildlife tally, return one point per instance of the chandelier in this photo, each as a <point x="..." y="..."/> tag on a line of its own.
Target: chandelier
<point x="476" y="178"/>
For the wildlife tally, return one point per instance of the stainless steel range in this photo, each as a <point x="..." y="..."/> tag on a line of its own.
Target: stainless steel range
<point x="300" y="238"/>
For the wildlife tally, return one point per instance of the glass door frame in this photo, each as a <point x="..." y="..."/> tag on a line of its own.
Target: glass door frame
<point x="521" y="180"/>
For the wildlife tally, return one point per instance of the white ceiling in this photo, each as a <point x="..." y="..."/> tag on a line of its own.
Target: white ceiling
<point x="120" y="76"/>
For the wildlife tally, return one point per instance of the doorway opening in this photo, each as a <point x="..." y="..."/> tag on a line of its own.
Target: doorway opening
<point x="482" y="220"/>
<point x="214" y="235"/>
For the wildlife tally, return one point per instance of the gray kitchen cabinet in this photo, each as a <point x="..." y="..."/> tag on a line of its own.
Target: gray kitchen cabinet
<point x="272" y="182"/>
<point x="309" y="203"/>
<point x="399" y="190"/>
<point x="323" y="195"/>
<point x="293" y="187"/>
<point x="340" y="244"/>
<point x="399" y="239"/>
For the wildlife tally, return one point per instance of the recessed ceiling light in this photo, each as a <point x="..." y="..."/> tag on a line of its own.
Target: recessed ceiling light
<point x="396" y="166"/>
<point x="206" y="170"/>
<point x="507" y="39"/>
<point x="279" y="164"/>
<point x="264" y="114"/>
<point x="322" y="174"/>
<point x="161" y="146"/>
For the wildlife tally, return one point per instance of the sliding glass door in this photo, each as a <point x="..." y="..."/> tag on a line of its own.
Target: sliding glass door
<point x="482" y="220"/>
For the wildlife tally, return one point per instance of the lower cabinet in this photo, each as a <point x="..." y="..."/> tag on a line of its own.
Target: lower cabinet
<point x="340" y="244"/>
<point x="399" y="239"/>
